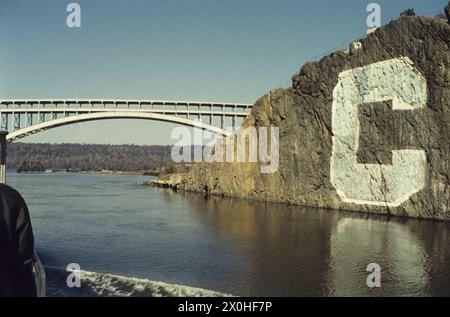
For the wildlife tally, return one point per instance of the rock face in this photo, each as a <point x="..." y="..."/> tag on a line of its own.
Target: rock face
<point x="366" y="129"/>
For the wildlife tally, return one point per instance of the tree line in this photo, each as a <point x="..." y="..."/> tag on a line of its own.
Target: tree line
<point x="89" y="156"/>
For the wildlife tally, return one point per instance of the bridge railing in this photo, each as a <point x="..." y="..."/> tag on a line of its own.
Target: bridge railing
<point x="125" y="104"/>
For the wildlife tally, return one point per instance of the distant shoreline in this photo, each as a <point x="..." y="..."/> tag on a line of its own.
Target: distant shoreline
<point x="75" y="171"/>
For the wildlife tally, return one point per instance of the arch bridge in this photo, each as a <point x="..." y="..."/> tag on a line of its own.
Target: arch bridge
<point x="25" y="117"/>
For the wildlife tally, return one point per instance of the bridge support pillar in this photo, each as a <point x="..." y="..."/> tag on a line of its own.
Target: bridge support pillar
<point x="4" y="122"/>
<point x="3" y="135"/>
<point x="16" y="121"/>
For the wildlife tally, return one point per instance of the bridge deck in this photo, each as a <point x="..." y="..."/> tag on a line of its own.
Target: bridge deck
<point x="94" y="110"/>
<point x="22" y="117"/>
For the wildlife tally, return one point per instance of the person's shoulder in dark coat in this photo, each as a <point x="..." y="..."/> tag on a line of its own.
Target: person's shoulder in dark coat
<point x="16" y="245"/>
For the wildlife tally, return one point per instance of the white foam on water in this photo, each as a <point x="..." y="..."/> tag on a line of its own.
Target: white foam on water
<point x="106" y="285"/>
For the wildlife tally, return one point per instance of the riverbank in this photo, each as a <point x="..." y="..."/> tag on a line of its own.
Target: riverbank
<point x="172" y="181"/>
<point x="144" y="172"/>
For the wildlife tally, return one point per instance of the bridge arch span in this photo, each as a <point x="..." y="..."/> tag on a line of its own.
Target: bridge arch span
<point x="21" y="133"/>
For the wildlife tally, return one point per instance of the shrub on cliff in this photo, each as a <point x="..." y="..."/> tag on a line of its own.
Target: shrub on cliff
<point x="440" y="15"/>
<point x="408" y="13"/>
<point x="172" y="168"/>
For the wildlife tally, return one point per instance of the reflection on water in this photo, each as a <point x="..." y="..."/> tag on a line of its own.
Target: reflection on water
<point x="357" y="242"/>
<point x="320" y="252"/>
<point x="233" y="246"/>
<point x="284" y="247"/>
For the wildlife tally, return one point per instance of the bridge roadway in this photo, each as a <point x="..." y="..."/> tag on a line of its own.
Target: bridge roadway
<point x="24" y="117"/>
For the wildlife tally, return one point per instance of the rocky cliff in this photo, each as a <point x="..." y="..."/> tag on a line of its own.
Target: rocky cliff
<point x="364" y="129"/>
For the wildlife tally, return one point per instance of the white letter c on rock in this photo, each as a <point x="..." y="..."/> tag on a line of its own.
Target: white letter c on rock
<point x="374" y="184"/>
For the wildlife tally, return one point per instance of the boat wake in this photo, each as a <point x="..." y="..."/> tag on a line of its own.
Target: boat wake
<point x="108" y="285"/>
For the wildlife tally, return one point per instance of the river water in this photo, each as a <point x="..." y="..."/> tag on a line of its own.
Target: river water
<point x="113" y="224"/>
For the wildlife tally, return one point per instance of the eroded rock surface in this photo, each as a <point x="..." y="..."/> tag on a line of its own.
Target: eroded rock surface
<point x="399" y="134"/>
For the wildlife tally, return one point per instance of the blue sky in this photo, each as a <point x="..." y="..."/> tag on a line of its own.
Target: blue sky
<point x="228" y="50"/>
